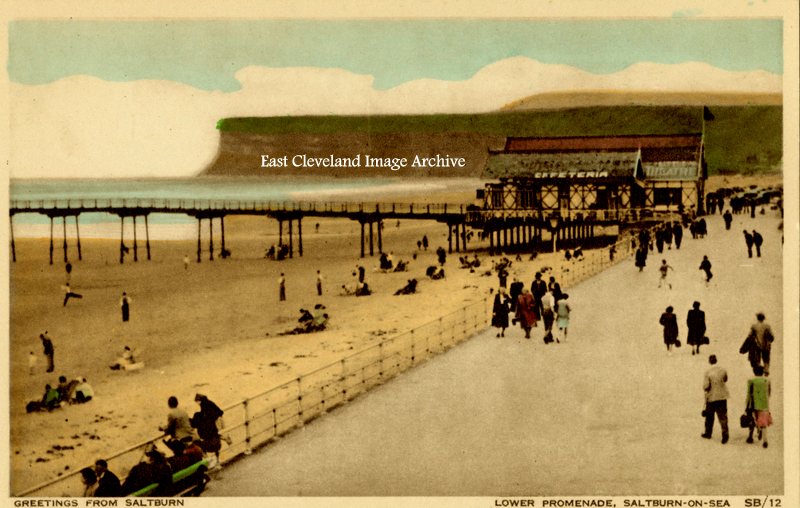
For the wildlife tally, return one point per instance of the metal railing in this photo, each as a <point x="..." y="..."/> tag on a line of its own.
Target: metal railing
<point x="257" y="420"/>
<point x="183" y="205"/>
<point x="604" y="215"/>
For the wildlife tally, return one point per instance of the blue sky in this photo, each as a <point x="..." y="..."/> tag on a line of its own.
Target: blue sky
<point x="207" y="54"/>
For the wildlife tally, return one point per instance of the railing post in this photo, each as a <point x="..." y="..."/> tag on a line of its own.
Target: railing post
<point x="343" y="380"/>
<point x="380" y="353"/>
<point x="300" y="402"/>
<point x="247" y="444"/>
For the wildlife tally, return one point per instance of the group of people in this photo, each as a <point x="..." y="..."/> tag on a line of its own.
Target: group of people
<point x="544" y="301"/>
<point x="757" y="415"/>
<point x="311" y="321"/>
<point x="75" y="391"/>
<point x="190" y="439"/>
<point x="695" y="324"/>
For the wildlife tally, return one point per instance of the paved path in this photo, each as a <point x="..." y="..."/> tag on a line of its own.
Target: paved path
<point x="607" y="412"/>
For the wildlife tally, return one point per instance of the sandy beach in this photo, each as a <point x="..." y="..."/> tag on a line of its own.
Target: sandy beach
<point x="214" y="328"/>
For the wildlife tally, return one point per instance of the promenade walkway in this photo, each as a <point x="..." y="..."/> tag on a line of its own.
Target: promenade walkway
<point x="607" y="412"/>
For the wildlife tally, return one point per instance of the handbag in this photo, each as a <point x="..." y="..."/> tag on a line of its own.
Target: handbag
<point x="705" y="340"/>
<point x="677" y="343"/>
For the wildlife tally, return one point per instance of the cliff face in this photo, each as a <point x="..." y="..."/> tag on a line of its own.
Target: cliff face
<point x="241" y="153"/>
<point x="742" y="138"/>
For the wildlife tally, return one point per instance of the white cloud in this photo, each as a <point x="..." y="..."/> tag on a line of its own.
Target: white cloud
<point x="85" y="127"/>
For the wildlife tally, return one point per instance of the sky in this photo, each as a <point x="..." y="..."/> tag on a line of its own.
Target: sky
<point x="117" y="98"/>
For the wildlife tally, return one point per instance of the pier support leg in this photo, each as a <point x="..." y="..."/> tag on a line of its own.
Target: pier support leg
<point x="491" y="243"/>
<point x="78" y="235"/>
<point x="51" y="240"/>
<point x="211" y="238"/>
<point x="362" y="238"/>
<point x="449" y="238"/>
<point x="380" y="237"/>
<point x="371" y="247"/>
<point x="135" y="244"/>
<point x="121" y="239"/>
<point x="300" y="236"/>
<point x="146" y="238"/>
<point x="291" y="247"/>
<point x="64" y="229"/>
<point x="280" y="232"/>
<point x="199" y="224"/>
<point x="222" y="232"/>
<point x="11" y="230"/>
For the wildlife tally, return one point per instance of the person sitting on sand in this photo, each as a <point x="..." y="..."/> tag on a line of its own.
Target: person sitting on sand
<point x="49" y="401"/>
<point x="83" y="392"/>
<point x="400" y="266"/>
<point x="363" y="289"/>
<point x="408" y="289"/>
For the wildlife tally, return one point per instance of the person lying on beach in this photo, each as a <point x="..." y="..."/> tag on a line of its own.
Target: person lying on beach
<point x="126" y="361"/>
<point x="408" y="289"/>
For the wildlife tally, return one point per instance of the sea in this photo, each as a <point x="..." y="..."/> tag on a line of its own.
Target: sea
<point x="184" y="227"/>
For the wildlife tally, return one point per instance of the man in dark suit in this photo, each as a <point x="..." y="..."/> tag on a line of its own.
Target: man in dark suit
<point x="538" y="289"/>
<point x="107" y="482"/>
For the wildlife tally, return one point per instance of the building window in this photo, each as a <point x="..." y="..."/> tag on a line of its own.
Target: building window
<point x="497" y="198"/>
<point x="666" y="197"/>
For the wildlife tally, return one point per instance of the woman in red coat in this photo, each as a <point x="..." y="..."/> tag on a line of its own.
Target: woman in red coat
<point x="526" y="312"/>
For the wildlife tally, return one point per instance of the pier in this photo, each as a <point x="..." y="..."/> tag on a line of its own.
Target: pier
<point x="507" y="230"/>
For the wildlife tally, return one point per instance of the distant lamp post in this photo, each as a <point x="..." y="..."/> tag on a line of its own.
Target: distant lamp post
<point x="554" y="222"/>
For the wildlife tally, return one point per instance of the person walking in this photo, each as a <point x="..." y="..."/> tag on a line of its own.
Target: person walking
<point x="641" y="257"/>
<point x="49" y="351"/>
<point x="757" y="404"/>
<point x="705" y="265"/>
<point x="538" y="289"/>
<point x="500" y="310"/>
<point x="670" y="323"/>
<point x="562" y="316"/>
<point x="758" y="344"/>
<point x="555" y="290"/>
<point x="677" y="231"/>
<point x="205" y="421"/>
<point x="125" y="305"/>
<point x="728" y="218"/>
<point x="664" y="271"/>
<point x="548" y="315"/>
<point x="319" y="283"/>
<point x="69" y="293"/>
<point x="526" y="312"/>
<point x="282" y="288"/>
<point x="716" y="392"/>
<point x="748" y="239"/>
<point x="514" y="290"/>
<point x="696" y="324"/>
<point x="757" y="241"/>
